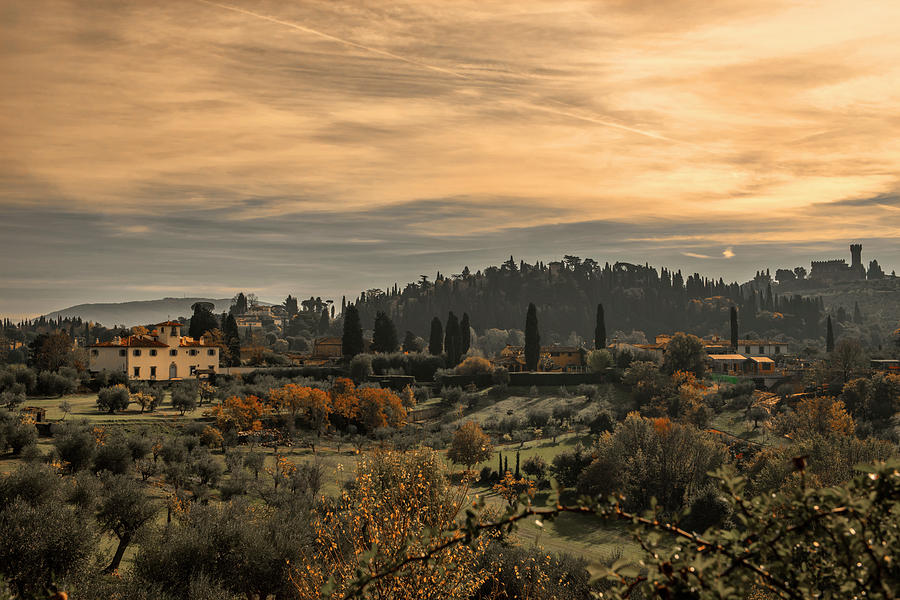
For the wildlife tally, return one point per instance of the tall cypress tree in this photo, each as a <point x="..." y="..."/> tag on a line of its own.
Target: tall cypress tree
<point x="452" y="341"/>
<point x="532" y="339"/>
<point x="202" y="320"/>
<point x="324" y="322"/>
<point x="233" y="340"/>
<point x="436" y="339"/>
<point x="384" y="336"/>
<point x="465" y="331"/>
<point x="734" y="328"/>
<point x="352" y="340"/>
<point x="600" y="329"/>
<point x="829" y="336"/>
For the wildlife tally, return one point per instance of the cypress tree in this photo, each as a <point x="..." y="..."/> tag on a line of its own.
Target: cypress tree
<point x="352" y="340"/>
<point x="452" y="341"/>
<point x="202" y="320"/>
<point x="465" y="331"/>
<point x="384" y="336"/>
<point x="324" y="322"/>
<point x="532" y="339"/>
<point x="409" y="342"/>
<point x="436" y="340"/>
<point x="517" y="474"/>
<point x="829" y="336"/>
<point x="500" y="464"/>
<point x="233" y="340"/>
<point x="600" y="329"/>
<point x="505" y="465"/>
<point x="734" y="328"/>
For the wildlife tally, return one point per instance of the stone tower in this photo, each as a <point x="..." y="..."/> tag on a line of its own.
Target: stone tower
<point x="856" y="266"/>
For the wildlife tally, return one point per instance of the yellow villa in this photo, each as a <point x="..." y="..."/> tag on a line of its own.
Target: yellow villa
<point x="161" y="355"/>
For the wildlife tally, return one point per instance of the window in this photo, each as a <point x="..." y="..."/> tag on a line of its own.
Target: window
<point x="193" y="370"/>
<point x="153" y="372"/>
<point x="211" y="367"/>
<point x="136" y="353"/>
<point x="174" y="331"/>
<point x="137" y="371"/>
<point x="762" y="349"/>
<point x="153" y="353"/>
<point x="173" y="352"/>
<point x="211" y="352"/>
<point x="122" y="352"/>
<point x="192" y="352"/>
<point x="777" y="349"/>
<point x="95" y="352"/>
<point x="747" y="349"/>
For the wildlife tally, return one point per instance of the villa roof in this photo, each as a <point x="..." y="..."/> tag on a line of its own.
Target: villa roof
<point x="170" y="324"/>
<point x="761" y="359"/>
<point x="727" y="357"/>
<point x="132" y="341"/>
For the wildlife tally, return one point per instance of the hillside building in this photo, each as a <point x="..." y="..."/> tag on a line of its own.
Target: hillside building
<point x="837" y="270"/>
<point x="161" y="355"/>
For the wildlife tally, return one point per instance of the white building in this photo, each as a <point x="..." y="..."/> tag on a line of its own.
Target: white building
<point x="161" y="355"/>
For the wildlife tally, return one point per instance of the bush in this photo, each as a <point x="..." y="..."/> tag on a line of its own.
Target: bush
<point x="535" y="467"/>
<point x="474" y="365"/>
<point x="361" y="367"/>
<point x="590" y="392"/>
<point x="537" y="417"/>
<point x="486" y="475"/>
<point x="184" y="397"/>
<point x="55" y="384"/>
<point x="500" y="376"/>
<point x="20" y="435"/>
<point x="113" y="398"/>
<point x="114" y="457"/>
<point x="567" y="466"/>
<point x="451" y="396"/>
<point x="598" y="361"/>
<point x="563" y="412"/>
<point x="75" y="445"/>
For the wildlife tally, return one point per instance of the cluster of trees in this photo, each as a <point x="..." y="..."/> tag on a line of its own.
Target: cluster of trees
<point x="634" y="297"/>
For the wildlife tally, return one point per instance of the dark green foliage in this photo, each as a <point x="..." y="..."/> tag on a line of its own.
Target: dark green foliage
<point x="43" y="539"/>
<point x="535" y="467"/>
<point x="567" y="466"/>
<point x="202" y="320"/>
<point x="452" y="341"/>
<point x="829" y="335"/>
<point x="465" y="331"/>
<point x="184" y="396"/>
<point x="384" y="334"/>
<point x="239" y="304"/>
<point x="733" y="316"/>
<point x="685" y="352"/>
<point x="55" y="384"/>
<point x="410" y="344"/>
<point x="75" y="445"/>
<point x="290" y="305"/>
<point x="114" y="398"/>
<point x="352" y="338"/>
<point x="124" y="509"/>
<point x="518" y="572"/>
<point x="600" y="329"/>
<point x="15" y="433"/>
<point x="113" y="457"/>
<point x="532" y="339"/>
<point x="436" y="339"/>
<point x="232" y="340"/>
<point x="234" y="547"/>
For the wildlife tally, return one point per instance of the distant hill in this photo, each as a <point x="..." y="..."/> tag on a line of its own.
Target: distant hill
<point x="139" y="312"/>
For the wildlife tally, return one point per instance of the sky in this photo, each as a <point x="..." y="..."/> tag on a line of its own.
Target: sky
<point x="192" y="147"/>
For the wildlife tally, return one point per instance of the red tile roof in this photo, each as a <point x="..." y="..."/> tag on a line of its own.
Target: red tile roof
<point x="170" y="324"/>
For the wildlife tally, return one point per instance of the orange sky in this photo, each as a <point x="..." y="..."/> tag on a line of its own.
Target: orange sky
<point x="781" y="119"/>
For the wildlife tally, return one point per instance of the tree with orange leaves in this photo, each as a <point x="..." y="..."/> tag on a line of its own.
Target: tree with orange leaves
<point x="380" y="408"/>
<point x="823" y="415"/>
<point x="240" y="413"/>
<point x="343" y="398"/>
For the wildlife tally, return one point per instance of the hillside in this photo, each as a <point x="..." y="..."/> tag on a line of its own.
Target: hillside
<point x="138" y="312"/>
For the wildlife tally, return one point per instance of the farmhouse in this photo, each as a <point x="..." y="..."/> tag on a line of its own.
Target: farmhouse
<point x="161" y="355"/>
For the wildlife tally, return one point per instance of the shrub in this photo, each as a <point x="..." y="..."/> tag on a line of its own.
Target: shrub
<point x="535" y="467"/>
<point x="211" y="437"/>
<point x="113" y="398"/>
<point x="563" y="412"/>
<point x="590" y="392"/>
<point x="537" y="417"/>
<point x="470" y="445"/>
<point x="500" y="376"/>
<point x="184" y="397"/>
<point x="20" y="435"/>
<point x="114" y="457"/>
<point x="55" y="384"/>
<point x="361" y="367"/>
<point x="474" y="365"/>
<point x="567" y="466"/>
<point x="598" y="361"/>
<point x="451" y="396"/>
<point x="75" y="445"/>
<point x="486" y="475"/>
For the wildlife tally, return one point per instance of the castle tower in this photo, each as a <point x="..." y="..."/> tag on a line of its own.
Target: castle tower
<point x="856" y="255"/>
<point x="857" y="270"/>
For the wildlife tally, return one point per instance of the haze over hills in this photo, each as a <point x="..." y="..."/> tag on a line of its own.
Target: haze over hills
<point x="137" y="312"/>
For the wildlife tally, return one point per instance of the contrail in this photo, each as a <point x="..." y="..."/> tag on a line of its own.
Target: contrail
<point x="333" y="38"/>
<point x="536" y="105"/>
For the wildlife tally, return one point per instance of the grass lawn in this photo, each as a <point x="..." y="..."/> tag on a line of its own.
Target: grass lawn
<point x="84" y="406"/>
